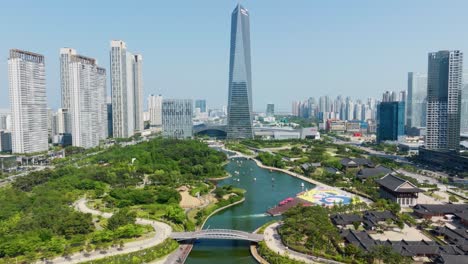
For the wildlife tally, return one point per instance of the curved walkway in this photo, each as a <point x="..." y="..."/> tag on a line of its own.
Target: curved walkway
<point x="162" y="232"/>
<point x="274" y="242"/>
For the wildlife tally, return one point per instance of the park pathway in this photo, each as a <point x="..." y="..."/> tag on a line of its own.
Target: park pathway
<point x="162" y="231"/>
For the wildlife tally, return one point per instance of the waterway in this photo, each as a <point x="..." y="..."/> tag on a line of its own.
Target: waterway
<point x="265" y="189"/>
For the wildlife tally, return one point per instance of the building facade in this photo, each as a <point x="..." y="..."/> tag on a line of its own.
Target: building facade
<point x="155" y="110"/>
<point x="444" y="87"/>
<point x="201" y="104"/>
<point x="177" y="118"/>
<point x="5" y="141"/>
<point x="464" y="105"/>
<point x="240" y="117"/>
<point x="270" y="110"/>
<point x="26" y="73"/>
<point x="127" y="91"/>
<point x="416" y="102"/>
<point x="85" y="86"/>
<point x="390" y="121"/>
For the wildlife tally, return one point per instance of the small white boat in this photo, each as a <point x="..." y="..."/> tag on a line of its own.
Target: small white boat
<point x="302" y="184"/>
<point x="255" y="179"/>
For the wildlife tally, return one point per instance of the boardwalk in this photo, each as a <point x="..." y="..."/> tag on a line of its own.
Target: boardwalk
<point x="217" y="234"/>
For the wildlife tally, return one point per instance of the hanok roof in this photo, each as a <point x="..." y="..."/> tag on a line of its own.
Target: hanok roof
<point x="371" y="172"/>
<point x="452" y="259"/>
<point x="364" y="162"/>
<point x="346" y="219"/>
<point x="347" y="162"/>
<point x="331" y="170"/>
<point x="397" y="184"/>
<point x="439" y="209"/>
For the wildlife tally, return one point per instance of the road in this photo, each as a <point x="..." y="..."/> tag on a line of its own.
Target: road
<point x="274" y="243"/>
<point x="162" y="231"/>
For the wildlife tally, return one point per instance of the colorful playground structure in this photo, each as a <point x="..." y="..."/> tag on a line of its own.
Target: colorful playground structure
<point x="325" y="197"/>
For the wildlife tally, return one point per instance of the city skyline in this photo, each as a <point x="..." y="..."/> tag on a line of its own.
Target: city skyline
<point x="167" y="57"/>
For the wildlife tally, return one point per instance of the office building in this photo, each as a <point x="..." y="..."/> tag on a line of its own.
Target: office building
<point x="270" y="110"/>
<point x="177" y="118"/>
<point x="201" y="104"/>
<point x="84" y="98"/>
<point x="444" y="86"/>
<point x="416" y="102"/>
<point x="240" y="116"/>
<point x="27" y="85"/>
<point x="155" y="110"/>
<point x="110" y="128"/>
<point x="390" y="121"/>
<point x="5" y="141"/>
<point x="127" y="91"/>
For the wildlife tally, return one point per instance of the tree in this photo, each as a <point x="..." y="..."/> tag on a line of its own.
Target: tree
<point x="121" y="218"/>
<point x="356" y="225"/>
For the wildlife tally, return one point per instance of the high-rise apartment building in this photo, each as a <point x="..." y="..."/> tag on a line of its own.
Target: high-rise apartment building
<point x="27" y="85"/>
<point x="127" y="90"/>
<point x="240" y="116"/>
<point x="177" y="118"/>
<point x="155" y="110"/>
<point x="416" y="101"/>
<point x="444" y="87"/>
<point x="201" y="104"/>
<point x="84" y="97"/>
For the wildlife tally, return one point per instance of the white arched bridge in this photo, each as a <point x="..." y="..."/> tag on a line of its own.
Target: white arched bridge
<point x="226" y="234"/>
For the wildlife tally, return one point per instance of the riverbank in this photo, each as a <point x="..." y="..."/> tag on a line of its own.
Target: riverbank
<point x="299" y="176"/>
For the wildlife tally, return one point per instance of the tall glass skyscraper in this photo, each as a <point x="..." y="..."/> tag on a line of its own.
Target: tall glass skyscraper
<point x="416" y="100"/>
<point x="240" y="79"/>
<point x="444" y="87"/>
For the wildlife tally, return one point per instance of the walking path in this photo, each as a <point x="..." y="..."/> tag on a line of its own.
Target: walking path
<point x="162" y="232"/>
<point x="274" y="243"/>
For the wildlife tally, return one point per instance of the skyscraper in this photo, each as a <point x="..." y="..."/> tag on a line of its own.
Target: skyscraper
<point x="154" y="109"/>
<point x="444" y="85"/>
<point x="416" y="102"/>
<point x="464" y="105"/>
<point x="270" y="110"/>
<point x="240" y="80"/>
<point x="390" y="121"/>
<point x="201" y="103"/>
<point x="84" y="96"/>
<point x="26" y="73"/>
<point x="177" y="118"/>
<point x="127" y="90"/>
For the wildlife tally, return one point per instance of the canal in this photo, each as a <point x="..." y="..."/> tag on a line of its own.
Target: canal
<point x="265" y="189"/>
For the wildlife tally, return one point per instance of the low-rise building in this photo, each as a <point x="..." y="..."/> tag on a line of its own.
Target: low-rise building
<point x="398" y="190"/>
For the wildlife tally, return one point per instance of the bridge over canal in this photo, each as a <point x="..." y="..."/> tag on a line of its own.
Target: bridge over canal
<point x="226" y="234"/>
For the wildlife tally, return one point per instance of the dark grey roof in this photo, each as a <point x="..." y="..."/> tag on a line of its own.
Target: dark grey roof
<point x="452" y="259"/>
<point x="438" y="209"/>
<point x="364" y="162"/>
<point x="393" y="183"/>
<point x="372" y="172"/>
<point x="346" y="219"/>
<point x="331" y="170"/>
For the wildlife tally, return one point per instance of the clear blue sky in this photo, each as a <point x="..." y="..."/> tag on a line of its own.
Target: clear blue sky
<point x="300" y="48"/>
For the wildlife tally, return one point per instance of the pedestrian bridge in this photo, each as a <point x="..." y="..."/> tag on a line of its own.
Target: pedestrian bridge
<point x="226" y="234"/>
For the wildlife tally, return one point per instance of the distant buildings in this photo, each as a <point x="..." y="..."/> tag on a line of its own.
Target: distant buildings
<point x="416" y="102"/>
<point x="390" y="121"/>
<point x="127" y="90"/>
<point x="155" y="110"/>
<point x="84" y="97"/>
<point x="464" y="105"/>
<point x="177" y="118"/>
<point x="201" y="104"/>
<point x="270" y="110"/>
<point x="444" y="88"/>
<point x="26" y="73"/>
<point x="240" y="118"/>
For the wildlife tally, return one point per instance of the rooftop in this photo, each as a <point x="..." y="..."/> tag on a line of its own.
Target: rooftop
<point x="397" y="184"/>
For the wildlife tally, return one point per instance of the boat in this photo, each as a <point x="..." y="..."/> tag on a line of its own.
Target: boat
<point x="255" y="179"/>
<point x="302" y="184"/>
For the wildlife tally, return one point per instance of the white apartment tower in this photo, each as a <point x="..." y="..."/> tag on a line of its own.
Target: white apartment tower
<point x="84" y="97"/>
<point x="127" y="90"/>
<point x="155" y="110"/>
<point x="26" y="73"/>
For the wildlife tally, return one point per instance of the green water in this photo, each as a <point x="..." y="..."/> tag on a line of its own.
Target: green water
<point x="266" y="191"/>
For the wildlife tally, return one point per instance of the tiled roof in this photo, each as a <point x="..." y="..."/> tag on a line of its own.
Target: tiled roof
<point x="394" y="183"/>
<point x="371" y="172"/>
